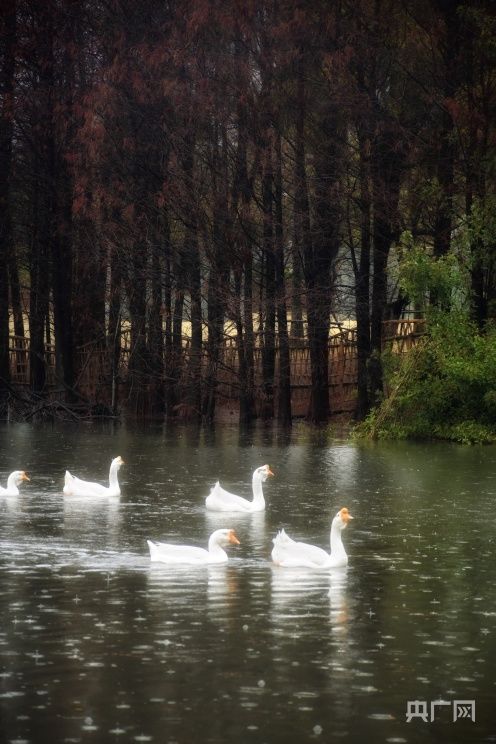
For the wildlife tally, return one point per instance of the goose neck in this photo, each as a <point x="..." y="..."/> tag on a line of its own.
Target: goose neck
<point x="215" y="552"/>
<point x="258" y="497"/>
<point x="337" y="547"/>
<point x="113" y="479"/>
<point x="12" y="485"/>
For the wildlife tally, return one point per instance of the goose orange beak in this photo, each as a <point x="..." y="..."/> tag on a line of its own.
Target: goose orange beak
<point x="233" y="539"/>
<point x="24" y="476"/>
<point x="345" y="515"/>
<point x="269" y="471"/>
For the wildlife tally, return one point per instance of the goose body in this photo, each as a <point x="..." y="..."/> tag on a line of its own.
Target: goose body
<point x="76" y="487"/>
<point x="13" y="482"/>
<point x="187" y="554"/>
<point x="221" y="500"/>
<point x="289" y="553"/>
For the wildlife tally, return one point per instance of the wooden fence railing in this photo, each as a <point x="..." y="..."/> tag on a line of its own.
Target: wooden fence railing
<point x="96" y="376"/>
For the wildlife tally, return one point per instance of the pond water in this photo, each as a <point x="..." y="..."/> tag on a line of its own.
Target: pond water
<point x="99" y="645"/>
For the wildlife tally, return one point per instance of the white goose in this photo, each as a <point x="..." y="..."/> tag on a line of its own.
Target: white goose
<point x="289" y="553"/>
<point x="186" y="554"/>
<point x="13" y="482"/>
<point x="76" y="487"/>
<point x="221" y="500"/>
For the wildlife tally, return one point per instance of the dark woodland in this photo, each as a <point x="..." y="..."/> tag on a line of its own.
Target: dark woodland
<point x="191" y="188"/>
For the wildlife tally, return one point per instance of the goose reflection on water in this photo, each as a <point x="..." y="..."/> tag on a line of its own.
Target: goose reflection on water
<point x="96" y="514"/>
<point x="298" y="591"/>
<point x="338" y="604"/>
<point x="205" y="591"/>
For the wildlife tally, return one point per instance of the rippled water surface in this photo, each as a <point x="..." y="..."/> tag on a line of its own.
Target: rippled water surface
<point x="99" y="645"/>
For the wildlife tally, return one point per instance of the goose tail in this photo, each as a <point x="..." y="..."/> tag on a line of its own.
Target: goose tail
<point x="153" y="548"/>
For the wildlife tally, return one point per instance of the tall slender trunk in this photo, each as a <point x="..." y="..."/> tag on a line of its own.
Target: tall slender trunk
<point x="90" y="274"/>
<point x="6" y="237"/>
<point x="483" y="257"/>
<point x="243" y="258"/>
<point x="188" y="279"/>
<point x="15" y="296"/>
<point x="301" y="208"/>
<point x="218" y="278"/>
<point x="247" y="378"/>
<point x="447" y="135"/>
<point x="136" y="292"/>
<point x="156" y="341"/>
<point x="268" y="274"/>
<point x="386" y="164"/>
<point x="38" y="271"/>
<point x="114" y="326"/>
<point x="194" y="393"/>
<point x="176" y="361"/>
<point x="62" y="282"/>
<point x="217" y="286"/>
<point x="284" y="382"/>
<point x="362" y="280"/>
<point x="319" y="257"/>
<point x="58" y="183"/>
<point x="167" y="249"/>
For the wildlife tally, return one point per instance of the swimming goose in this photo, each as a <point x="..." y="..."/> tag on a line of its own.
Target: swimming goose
<point x="221" y="500"/>
<point x="13" y="481"/>
<point x="186" y="554"/>
<point x="76" y="487"/>
<point x="287" y="552"/>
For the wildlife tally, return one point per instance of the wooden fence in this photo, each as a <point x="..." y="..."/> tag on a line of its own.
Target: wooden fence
<point x="96" y="378"/>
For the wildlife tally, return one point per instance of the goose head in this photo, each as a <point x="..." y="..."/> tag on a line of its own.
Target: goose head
<point x="18" y="476"/>
<point x="342" y="518"/>
<point x="224" y="537"/>
<point x="261" y="474"/>
<point x="117" y="462"/>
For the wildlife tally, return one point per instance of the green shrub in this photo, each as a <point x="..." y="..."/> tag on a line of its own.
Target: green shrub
<point x="445" y="387"/>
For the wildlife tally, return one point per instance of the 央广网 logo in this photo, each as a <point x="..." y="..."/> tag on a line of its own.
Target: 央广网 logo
<point x="427" y="712"/>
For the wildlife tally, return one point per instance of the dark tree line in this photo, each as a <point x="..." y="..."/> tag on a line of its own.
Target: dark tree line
<point x="242" y="165"/>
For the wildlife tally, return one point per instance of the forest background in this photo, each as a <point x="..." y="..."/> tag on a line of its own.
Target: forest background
<point x="179" y="175"/>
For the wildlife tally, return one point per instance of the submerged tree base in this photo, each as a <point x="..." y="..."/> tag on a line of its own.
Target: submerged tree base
<point x="26" y="406"/>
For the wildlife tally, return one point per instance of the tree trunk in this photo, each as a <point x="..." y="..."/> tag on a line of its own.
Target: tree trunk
<point x="301" y="208"/>
<point x="243" y="257"/>
<point x="176" y="359"/>
<point x="362" y="280"/>
<point x="114" y="339"/>
<point x="58" y="183"/>
<point x="6" y="237"/>
<point x="194" y="394"/>
<point x="386" y="163"/>
<point x="447" y="135"/>
<point x="166" y="237"/>
<point x="156" y="340"/>
<point x="15" y="296"/>
<point x="247" y="374"/>
<point x="268" y="312"/>
<point x="284" y="382"/>
<point x="319" y="257"/>
<point x="218" y="279"/>
<point x="38" y="271"/>
<point x="483" y="256"/>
